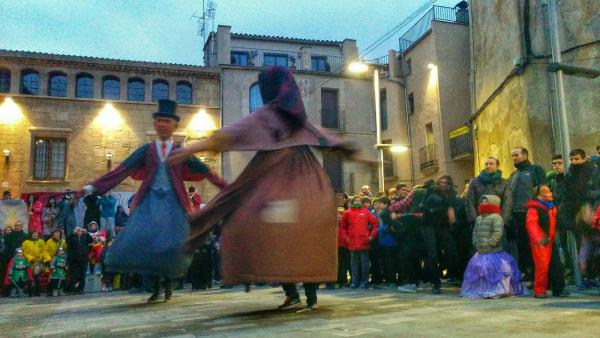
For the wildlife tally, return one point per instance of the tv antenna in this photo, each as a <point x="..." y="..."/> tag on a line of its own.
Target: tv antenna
<point x="209" y="9"/>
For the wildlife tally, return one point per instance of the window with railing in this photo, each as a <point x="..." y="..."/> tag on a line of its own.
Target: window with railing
<point x="461" y="143"/>
<point x="428" y="157"/>
<point x="240" y="58"/>
<point x="49" y="158"/>
<point x="330" y="117"/>
<point x="272" y="59"/>
<point x="319" y="64"/>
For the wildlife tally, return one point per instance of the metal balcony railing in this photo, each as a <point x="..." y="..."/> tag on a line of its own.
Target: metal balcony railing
<point x="461" y="143"/>
<point x="423" y="25"/>
<point x="253" y="57"/>
<point x="428" y="157"/>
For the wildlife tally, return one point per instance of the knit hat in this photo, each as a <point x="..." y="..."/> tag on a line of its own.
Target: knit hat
<point x="491" y="199"/>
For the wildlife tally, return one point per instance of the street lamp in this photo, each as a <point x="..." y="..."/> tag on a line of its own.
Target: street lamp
<point x="359" y="67"/>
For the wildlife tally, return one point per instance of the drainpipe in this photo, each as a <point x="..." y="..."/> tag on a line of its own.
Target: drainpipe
<point x="473" y="97"/>
<point x="558" y="82"/>
<point x="407" y="113"/>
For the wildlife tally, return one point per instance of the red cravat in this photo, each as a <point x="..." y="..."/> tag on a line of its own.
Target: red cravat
<point x="163" y="149"/>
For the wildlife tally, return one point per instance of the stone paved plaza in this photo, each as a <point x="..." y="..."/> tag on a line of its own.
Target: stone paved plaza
<point x="234" y="313"/>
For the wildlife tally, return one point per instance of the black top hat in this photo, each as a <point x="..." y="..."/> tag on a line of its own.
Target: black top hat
<point x="167" y="108"/>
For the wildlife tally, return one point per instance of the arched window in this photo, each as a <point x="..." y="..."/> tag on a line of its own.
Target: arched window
<point x="84" y="86"/>
<point x="4" y="80"/>
<point x="57" y="84"/>
<point x="136" y="90"/>
<point x="160" y="89"/>
<point x="30" y="82"/>
<point x="183" y="92"/>
<point x="255" y="98"/>
<point x="111" y="88"/>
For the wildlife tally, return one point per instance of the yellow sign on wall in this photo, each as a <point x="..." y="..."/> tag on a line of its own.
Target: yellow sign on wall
<point x="458" y="132"/>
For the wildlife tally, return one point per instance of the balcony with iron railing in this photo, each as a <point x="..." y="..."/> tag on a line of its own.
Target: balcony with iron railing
<point x="423" y="25"/>
<point x="253" y="57"/>
<point x="461" y="143"/>
<point x="428" y="157"/>
<point x="382" y="63"/>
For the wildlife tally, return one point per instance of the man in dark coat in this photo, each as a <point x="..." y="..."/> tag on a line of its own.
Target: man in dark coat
<point x="15" y="239"/>
<point x="78" y="248"/>
<point x="92" y="209"/>
<point x="581" y="189"/>
<point x="522" y="182"/>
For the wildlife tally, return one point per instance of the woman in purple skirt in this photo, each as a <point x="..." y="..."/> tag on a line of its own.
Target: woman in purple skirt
<point x="491" y="273"/>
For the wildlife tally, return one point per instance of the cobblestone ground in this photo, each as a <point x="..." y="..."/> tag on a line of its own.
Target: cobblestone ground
<point x="342" y="313"/>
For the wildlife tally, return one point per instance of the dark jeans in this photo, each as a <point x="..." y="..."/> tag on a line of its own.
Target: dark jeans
<point x="438" y="237"/>
<point x="409" y="257"/>
<point x="359" y="260"/>
<point x="201" y="269"/>
<point x="518" y="237"/>
<point x="343" y="266"/>
<point x="310" y="290"/>
<point x="78" y="269"/>
<point x="390" y="268"/>
<point x="556" y="271"/>
<point x="376" y="259"/>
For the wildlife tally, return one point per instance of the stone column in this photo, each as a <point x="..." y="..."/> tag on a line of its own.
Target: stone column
<point x="349" y="52"/>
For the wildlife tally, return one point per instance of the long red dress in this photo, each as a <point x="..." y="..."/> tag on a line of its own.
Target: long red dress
<point x="35" y="218"/>
<point x="279" y="221"/>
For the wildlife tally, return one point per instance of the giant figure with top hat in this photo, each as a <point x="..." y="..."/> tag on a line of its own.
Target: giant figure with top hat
<point x="151" y="243"/>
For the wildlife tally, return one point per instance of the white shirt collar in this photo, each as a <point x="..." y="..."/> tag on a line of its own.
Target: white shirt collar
<point x="169" y="146"/>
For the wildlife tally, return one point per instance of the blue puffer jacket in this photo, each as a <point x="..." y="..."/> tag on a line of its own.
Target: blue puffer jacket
<point x="384" y="233"/>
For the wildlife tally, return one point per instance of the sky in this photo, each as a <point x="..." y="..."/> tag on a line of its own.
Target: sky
<point x="163" y="30"/>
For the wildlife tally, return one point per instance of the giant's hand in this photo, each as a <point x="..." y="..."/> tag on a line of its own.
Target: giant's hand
<point x="178" y="156"/>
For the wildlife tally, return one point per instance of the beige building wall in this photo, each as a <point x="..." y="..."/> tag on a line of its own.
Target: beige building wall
<point x="524" y="111"/>
<point x="90" y="132"/>
<point x="355" y="106"/>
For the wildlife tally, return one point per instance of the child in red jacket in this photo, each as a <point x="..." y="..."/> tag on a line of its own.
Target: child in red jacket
<point x="360" y="227"/>
<point x="541" y="227"/>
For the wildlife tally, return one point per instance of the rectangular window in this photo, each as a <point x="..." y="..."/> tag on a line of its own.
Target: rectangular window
<point x="388" y="160"/>
<point x="332" y="164"/>
<point x="383" y="109"/>
<point x="411" y="103"/>
<point x="318" y="64"/>
<point x="329" y="108"/>
<point x="49" y="158"/>
<point x="429" y="133"/>
<point x="275" y="59"/>
<point x="240" y="58"/>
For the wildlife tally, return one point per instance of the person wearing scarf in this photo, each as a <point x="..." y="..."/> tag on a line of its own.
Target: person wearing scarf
<point x="489" y="182"/>
<point x="491" y="272"/>
<point x="541" y="227"/>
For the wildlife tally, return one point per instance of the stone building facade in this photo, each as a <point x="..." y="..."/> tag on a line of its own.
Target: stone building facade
<point x="333" y="98"/>
<point x="426" y="99"/>
<point x="513" y="91"/>
<point x="66" y="120"/>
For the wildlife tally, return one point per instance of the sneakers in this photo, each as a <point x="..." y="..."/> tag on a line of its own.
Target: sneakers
<point x="309" y="308"/>
<point x="424" y="286"/>
<point x="289" y="302"/>
<point x="408" y="288"/>
<point x="364" y="286"/>
<point x="353" y="286"/>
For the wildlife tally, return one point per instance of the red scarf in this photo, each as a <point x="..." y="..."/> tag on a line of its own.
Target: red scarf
<point x="489" y="209"/>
